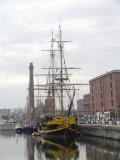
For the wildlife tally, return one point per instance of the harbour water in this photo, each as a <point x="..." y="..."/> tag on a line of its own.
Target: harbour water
<point x="25" y="147"/>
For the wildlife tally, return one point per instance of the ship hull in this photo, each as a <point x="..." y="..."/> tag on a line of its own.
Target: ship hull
<point x="63" y="132"/>
<point x="58" y="125"/>
<point x="70" y="130"/>
<point x="18" y="130"/>
<point x="28" y="129"/>
<point x="53" y="132"/>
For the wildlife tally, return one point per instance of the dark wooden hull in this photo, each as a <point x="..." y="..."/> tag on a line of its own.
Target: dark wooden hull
<point x="59" y="132"/>
<point x="18" y="130"/>
<point x="54" y="131"/>
<point x="28" y="130"/>
<point x="58" y="125"/>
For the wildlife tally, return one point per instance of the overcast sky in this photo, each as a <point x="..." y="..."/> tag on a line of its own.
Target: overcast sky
<point x="93" y="26"/>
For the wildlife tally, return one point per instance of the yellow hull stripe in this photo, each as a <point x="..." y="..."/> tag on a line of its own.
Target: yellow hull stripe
<point x="52" y="143"/>
<point x="71" y="129"/>
<point x="49" y="131"/>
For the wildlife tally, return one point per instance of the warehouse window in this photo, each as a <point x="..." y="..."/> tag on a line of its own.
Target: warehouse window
<point x="101" y="104"/>
<point x="110" y="77"/>
<point x="112" y="102"/>
<point x="111" y="94"/>
<point x="110" y="85"/>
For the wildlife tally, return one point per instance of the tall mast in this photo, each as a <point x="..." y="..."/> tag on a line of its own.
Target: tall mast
<point x="61" y="67"/>
<point x="58" y="71"/>
<point x="53" y="59"/>
<point x="53" y="74"/>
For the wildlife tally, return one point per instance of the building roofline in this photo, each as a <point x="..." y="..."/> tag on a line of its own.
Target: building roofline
<point x="88" y="94"/>
<point x="105" y="74"/>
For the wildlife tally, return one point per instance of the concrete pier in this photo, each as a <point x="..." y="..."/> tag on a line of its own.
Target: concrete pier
<point x="109" y="132"/>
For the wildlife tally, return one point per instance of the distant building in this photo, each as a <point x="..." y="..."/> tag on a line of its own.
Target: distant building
<point x="17" y="113"/>
<point x="39" y="110"/>
<point x="86" y="104"/>
<point x="80" y="108"/>
<point x="49" y="105"/>
<point x="58" y="112"/>
<point x="105" y="93"/>
<point x="4" y="112"/>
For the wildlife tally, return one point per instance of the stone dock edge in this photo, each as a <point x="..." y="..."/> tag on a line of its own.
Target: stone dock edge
<point x="109" y="132"/>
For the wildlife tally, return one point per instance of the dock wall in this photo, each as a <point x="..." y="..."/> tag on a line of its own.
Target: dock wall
<point x="7" y="127"/>
<point x="109" y="132"/>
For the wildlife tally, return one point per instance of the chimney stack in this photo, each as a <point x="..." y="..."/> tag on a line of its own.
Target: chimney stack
<point x="31" y="91"/>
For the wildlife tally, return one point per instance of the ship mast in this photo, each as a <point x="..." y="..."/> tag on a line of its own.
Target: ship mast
<point x="62" y="67"/>
<point x="52" y="76"/>
<point x="60" y="45"/>
<point x="53" y="59"/>
<point x="58" y="72"/>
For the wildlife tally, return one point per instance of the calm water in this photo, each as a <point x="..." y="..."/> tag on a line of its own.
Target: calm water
<point x="23" y="147"/>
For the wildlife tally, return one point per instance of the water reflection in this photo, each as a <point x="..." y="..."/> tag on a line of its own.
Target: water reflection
<point x="26" y="147"/>
<point x="6" y="134"/>
<point x="51" y="148"/>
<point x="98" y="148"/>
<point x="30" y="148"/>
<point x="84" y="148"/>
<point x="59" y="148"/>
<point x="94" y="153"/>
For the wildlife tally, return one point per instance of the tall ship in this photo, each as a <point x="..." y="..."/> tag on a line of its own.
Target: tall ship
<point x="60" y="93"/>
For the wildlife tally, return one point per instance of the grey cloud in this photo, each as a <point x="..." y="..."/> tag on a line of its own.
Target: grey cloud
<point x="25" y="29"/>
